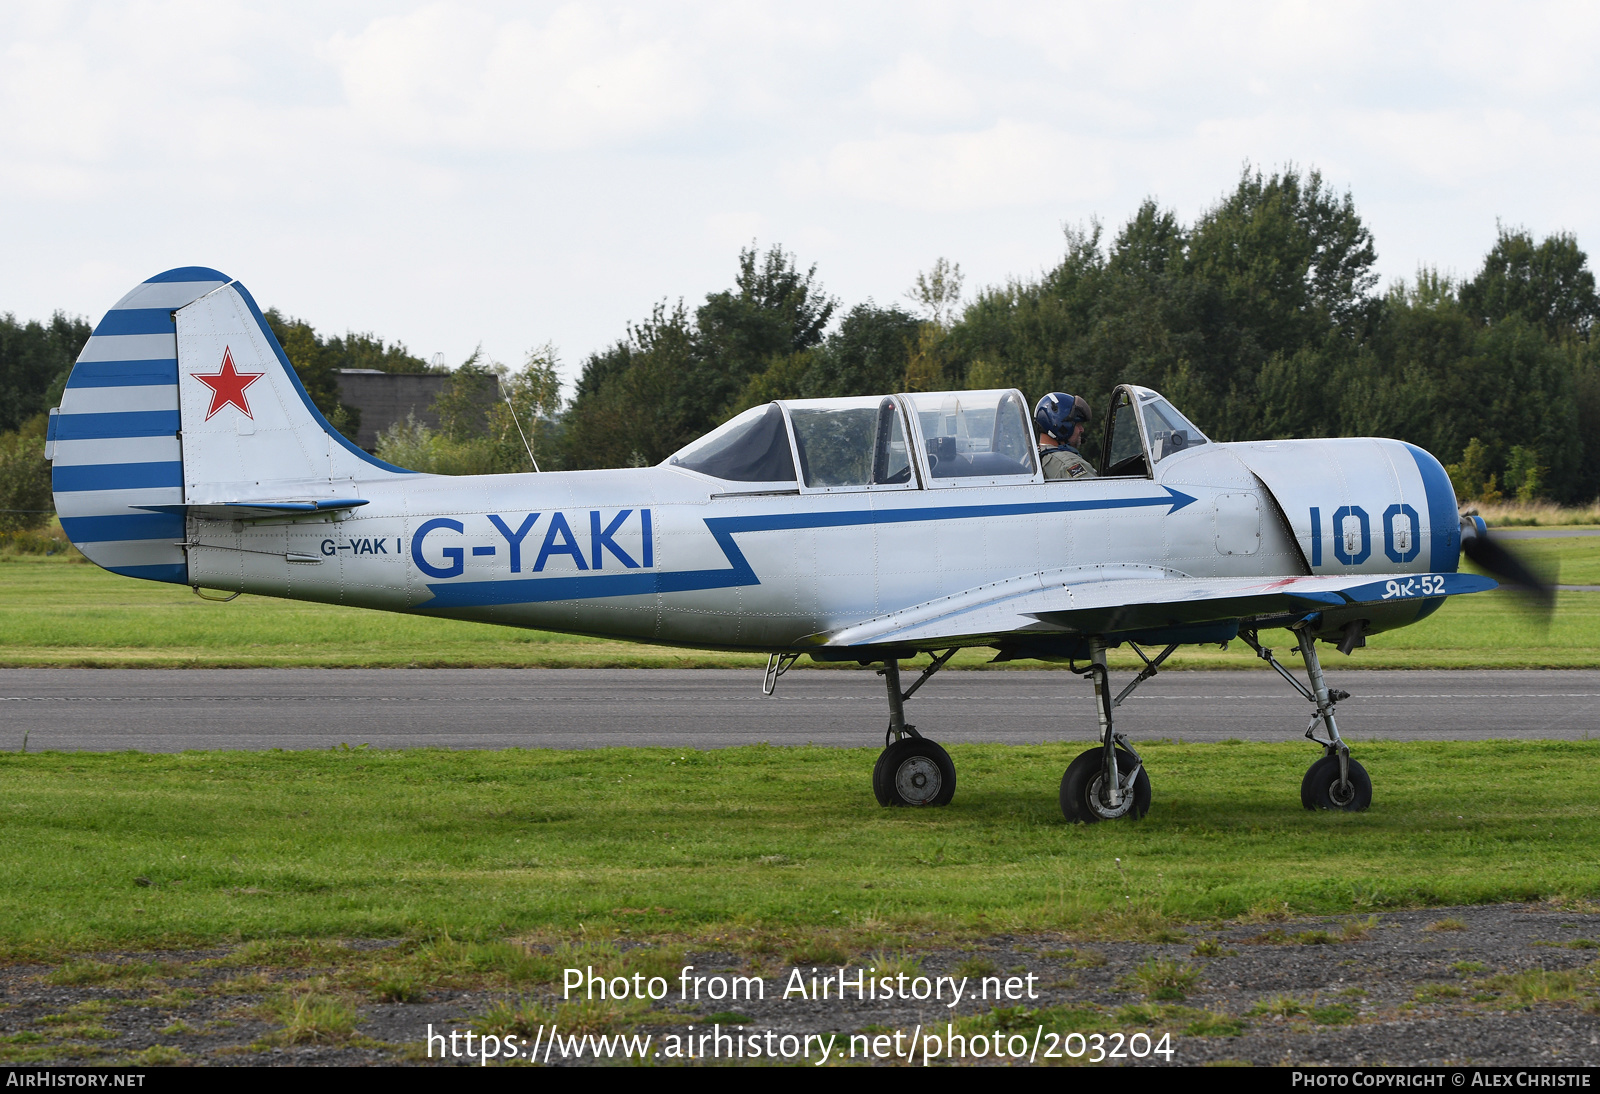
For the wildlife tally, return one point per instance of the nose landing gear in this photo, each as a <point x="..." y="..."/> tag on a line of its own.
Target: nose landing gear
<point x="1327" y="785"/>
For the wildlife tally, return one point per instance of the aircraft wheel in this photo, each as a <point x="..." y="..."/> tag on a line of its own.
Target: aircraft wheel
<point x="1320" y="788"/>
<point x="1081" y="799"/>
<point x="914" y="771"/>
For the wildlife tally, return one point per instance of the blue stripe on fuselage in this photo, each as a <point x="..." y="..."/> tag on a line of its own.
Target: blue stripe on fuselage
<point x="539" y="590"/>
<point x="1444" y="523"/>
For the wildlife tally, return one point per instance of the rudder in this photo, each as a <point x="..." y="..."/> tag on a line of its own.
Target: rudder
<point x="114" y="441"/>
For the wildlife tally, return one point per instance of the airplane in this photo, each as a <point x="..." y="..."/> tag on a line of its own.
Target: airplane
<point x="875" y="530"/>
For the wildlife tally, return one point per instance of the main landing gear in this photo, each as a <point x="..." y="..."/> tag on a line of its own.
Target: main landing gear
<point x="911" y="770"/>
<point x="1334" y="781"/>
<point x="1109" y="780"/>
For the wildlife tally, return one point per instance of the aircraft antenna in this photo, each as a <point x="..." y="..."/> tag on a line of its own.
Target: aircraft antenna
<point x="506" y="395"/>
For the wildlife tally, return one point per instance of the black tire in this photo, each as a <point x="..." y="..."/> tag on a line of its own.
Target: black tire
<point x="1307" y="798"/>
<point x="914" y="771"/>
<point x="1080" y="788"/>
<point x="1320" y="789"/>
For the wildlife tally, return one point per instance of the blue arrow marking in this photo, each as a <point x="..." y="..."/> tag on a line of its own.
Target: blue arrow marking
<point x="541" y="590"/>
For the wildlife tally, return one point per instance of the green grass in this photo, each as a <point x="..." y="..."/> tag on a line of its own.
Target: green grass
<point x="1574" y="560"/>
<point x="776" y="850"/>
<point x="55" y="611"/>
<point x="1163" y="978"/>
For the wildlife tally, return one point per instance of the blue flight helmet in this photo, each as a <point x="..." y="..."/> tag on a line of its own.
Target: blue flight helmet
<point x="1058" y="414"/>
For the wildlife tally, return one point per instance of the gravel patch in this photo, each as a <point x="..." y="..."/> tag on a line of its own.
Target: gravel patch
<point x="1510" y="985"/>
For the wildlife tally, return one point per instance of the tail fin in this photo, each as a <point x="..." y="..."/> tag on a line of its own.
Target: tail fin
<point x="183" y="398"/>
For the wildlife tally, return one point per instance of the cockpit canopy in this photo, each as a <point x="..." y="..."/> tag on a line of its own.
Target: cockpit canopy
<point x="932" y="439"/>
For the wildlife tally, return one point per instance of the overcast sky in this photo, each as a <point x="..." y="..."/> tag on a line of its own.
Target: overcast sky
<point x="445" y="174"/>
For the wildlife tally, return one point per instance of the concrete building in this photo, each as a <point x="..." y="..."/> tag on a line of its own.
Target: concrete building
<point x="387" y="397"/>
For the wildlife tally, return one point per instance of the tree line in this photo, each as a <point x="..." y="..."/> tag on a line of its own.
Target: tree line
<point x="1262" y="318"/>
<point x="36" y="357"/>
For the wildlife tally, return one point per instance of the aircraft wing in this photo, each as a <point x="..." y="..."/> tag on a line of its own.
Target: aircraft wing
<point x="1131" y="601"/>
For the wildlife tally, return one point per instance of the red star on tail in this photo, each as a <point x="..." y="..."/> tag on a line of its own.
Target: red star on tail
<point x="227" y="386"/>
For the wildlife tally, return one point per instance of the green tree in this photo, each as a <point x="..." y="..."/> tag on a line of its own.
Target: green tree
<point x="463" y="405"/>
<point x="1523" y="472"/>
<point x="1472" y="475"/>
<point x="25" y="499"/>
<point x="1032" y="334"/>
<point x="773" y="311"/>
<point x="529" y="413"/>
<point x="492" y="421"/>
<point x="1272" y="283"/>
<point x="867" y="355"/>
<point x="34" y="361"/>
<point x="1280" y="265"/>
<point x="1548" y="284"/>
<point x="671" y="380"/>
<point x="1259" y="319"/>
<point x="938" y="291"/>
<point x="634" y="405"/>
<point x="1583" y="360"/>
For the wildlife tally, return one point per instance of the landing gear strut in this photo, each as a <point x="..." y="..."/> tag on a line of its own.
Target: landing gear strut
<point x="1108" y="781"/>
<point x="911" y="770"/>
<point x="1335" y="781"/>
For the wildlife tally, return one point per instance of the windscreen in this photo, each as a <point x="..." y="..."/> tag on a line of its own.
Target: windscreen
<point x="1169" y="431"/>
<point x="1125" y="442"/>
<point x="753" y="447"/>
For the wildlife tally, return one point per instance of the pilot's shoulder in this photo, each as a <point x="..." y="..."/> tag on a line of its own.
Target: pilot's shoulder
<point x="1059" y="464"/>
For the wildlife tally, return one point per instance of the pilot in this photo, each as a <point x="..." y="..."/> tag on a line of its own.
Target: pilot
<point x="1059" y="419"/>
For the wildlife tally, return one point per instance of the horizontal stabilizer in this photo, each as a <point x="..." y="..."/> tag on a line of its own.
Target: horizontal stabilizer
<point x="1135" y="601"/>
<point x="256" y="510"/>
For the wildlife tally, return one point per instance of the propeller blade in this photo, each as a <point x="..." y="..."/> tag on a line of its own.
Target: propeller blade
<point x="1505" y="565"/>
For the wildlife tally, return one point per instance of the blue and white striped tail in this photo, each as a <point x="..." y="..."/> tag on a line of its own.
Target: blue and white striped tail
<point x="114" y="440"/>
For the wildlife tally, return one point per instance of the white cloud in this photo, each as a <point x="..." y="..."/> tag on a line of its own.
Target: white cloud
<point x="1450" y="148"/>
<point x="1009" y="163"/>
<point x="920" y="91"/>
<point x="735" y="228"/>
<point x="521" y="171"/>
<point x="450" y="75"/>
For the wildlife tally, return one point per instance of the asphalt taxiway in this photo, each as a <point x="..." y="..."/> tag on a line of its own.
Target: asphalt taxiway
<point x="172" y="710"/>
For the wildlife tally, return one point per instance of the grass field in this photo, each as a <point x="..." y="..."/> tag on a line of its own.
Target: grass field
<point x="132" y="850"/>
<point x="55" y="611"/>
<point x="496" y="868"/>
